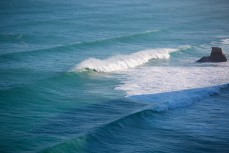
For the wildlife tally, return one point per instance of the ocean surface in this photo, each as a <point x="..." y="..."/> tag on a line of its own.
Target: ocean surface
<point x="100" y="76"/>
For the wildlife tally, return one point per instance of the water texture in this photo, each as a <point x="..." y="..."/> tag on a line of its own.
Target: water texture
<point x="98" y="76"/>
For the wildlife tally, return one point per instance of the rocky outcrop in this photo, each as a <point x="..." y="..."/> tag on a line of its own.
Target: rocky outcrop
<point x="216" y="56"/>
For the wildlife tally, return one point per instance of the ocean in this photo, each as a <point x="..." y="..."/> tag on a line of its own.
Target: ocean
<point x="99" y="76"/>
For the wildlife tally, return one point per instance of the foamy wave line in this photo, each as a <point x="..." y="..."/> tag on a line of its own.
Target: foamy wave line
<point x="225" y="41"/>
<point x="122" y="62"/>
<point x="177" y="99"/>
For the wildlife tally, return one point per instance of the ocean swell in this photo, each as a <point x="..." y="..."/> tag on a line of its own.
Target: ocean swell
<point x="125" y="127"/>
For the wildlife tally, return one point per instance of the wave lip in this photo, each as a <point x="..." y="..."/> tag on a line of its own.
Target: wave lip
<point x="122" y="62"/>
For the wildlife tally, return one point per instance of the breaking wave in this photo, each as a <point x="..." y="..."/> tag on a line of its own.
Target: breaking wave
<point x="176" y="99"/>
<point x="122" y="62"/>
<point x="127" y="125"/>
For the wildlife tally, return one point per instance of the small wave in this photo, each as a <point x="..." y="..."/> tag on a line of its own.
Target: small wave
<point x="121" y="62"/>
<point x="73" y="46"/>
<point x="10" y="37"/>
<point x="136" y="35"/>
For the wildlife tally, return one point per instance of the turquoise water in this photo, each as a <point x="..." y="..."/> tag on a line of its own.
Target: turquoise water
<point x="113" y="76"/>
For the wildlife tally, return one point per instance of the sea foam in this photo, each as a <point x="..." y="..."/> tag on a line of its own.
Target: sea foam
<point x="172" y="87"/>
<point x="225" y="41"/>
<point x="122" y="62"/>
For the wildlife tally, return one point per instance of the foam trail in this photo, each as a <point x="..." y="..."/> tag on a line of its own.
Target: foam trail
<point x="177" y="99"/>
<point x="121" y="62"/>
<point x="172" y="87"/>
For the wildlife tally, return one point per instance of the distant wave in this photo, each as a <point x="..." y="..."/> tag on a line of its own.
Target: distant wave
<point x="72" y="46"/>
<point x="121" y="62"/>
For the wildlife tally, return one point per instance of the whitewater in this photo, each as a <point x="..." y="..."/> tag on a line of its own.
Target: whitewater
<point x="98" y="76"/>
<point x="122" y="62"/>
<point x="165" y="87"/>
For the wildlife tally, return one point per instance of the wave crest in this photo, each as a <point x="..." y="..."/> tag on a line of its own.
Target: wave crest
<point x="121" y="62"/>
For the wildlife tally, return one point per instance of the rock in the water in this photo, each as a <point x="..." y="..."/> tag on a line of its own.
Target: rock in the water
<point x="216" y="56"/>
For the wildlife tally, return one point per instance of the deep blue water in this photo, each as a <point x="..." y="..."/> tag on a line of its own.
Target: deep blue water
<point x="98" y="76"/>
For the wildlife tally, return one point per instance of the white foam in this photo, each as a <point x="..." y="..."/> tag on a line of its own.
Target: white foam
<point x="122" y="62"/>
<point x="225" y="41"/>
<point x="169" y="87"/>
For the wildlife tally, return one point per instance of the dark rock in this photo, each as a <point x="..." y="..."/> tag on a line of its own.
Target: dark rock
<point x="204" y="59"/>
<point x="216" y="56"/>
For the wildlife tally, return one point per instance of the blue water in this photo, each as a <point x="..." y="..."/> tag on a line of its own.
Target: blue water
<point x="98" y="76"/>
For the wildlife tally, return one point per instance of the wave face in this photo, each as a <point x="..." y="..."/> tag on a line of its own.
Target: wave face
<point x="121" y="62"/>
<point x="188" y="125"/>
